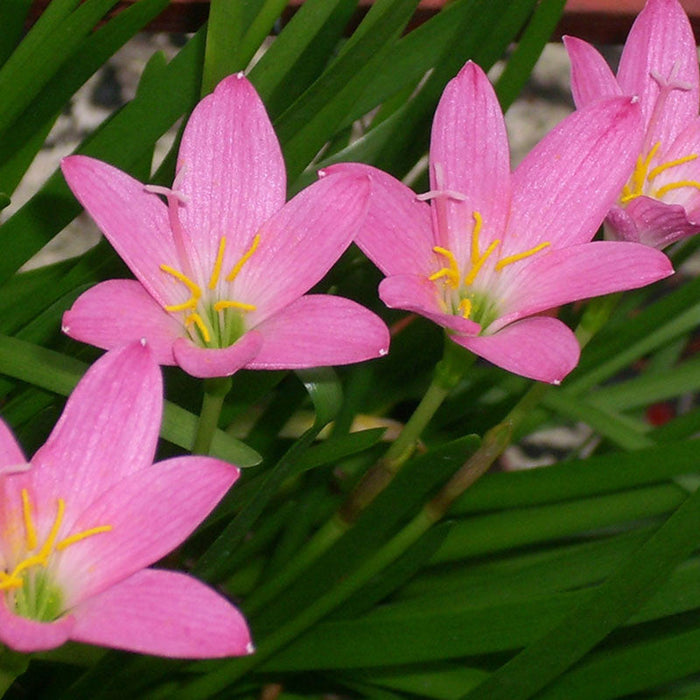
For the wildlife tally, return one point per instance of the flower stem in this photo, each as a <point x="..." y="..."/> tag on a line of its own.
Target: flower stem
<point x="448" y="373"/>
<point x="215" y="391"/>
<point x="12" y="665"/>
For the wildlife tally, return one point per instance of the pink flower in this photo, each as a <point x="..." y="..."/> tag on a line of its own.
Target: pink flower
<point x="82" y="520"/>
<point x="660" y="203"/>
<point x="222" y="268"/>
<point x="492" y="249"/>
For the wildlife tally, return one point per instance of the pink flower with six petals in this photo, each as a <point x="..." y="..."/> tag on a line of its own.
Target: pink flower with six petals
<point x="660" y="202"/>
<point x="492" y="250"/>
<point x="223" y="268"/>
<point x="82" y="520"/>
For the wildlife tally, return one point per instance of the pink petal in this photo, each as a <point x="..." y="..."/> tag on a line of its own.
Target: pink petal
<point x="150" y="513"/>
<point x="231" y="171"/>
<point x="319" y="330"/>
<point x="163" y="613"/>
<point x="591" y="77"/>
<point x="108" y="430"/>
<point x="419" y="295"/>
<point x="469" y="155"/>
<point x="119" y="311"/>
<point x="658" y="224"/>
<point x="686" y="144"/>
<point x="661" y="44"/>
<point x="397" y="232"/>
<point x="25" y="635"/>
<point x="568" y="182"/>
<point x="580" y="272"/>
<point x="134" y="221"/>
<point x="211" y="362"/>
<point x="10" y="452"/>
<point x="301" y="243"/>
<point x="540" y="348"/>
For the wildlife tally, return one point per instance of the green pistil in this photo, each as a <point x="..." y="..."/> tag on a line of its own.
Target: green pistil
<point x="39" y="598"/>
<point x="484" y="310"/>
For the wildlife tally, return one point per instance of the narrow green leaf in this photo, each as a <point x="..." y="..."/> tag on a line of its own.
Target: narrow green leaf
<point x="41" y="64"/>
<point x="533" y="40"/>
<point x="29" y="132"/>
<point x="618" y="597"/>
<point x="59" y="373"/>
<point x="122" y="141"/>
<point x="13" y="16"/>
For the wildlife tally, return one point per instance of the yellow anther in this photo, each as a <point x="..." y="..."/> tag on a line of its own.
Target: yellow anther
<point x="42" y="556"/>
<point x="675" y="186"/>
<point x="217" y="265"/>
<point x="68" y="541"/>
<point x="191" y="303"/>
<point x="193" y="287"/>
<point x="465" y="307"/>
<point x="476" y="266"/>
<point x="29" y="528"/>
<point x="226" y="304"/>
<point x="244" y="259"/>
<point x="670" y="164"/>
<point x="196" y="319"/>
<point x="8" y="581"/>
<point x="635" y="187"/>
<point x="478" y="222"/>
<point x="451" y="273"/>
<point x="520" y="256"/>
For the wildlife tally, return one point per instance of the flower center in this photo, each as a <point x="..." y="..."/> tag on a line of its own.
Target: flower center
<point x="460" y="296"/>
<point x="642" y="180"/>
<point x="28" y="587"/>
<point x="215" y="323"/>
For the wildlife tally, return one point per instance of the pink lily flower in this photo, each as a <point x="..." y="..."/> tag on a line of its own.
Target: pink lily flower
<point x="660" y="202"/>
<point x="492" y="251"/>
<point x="222" y="269"/>
<point x="79" y="523"/>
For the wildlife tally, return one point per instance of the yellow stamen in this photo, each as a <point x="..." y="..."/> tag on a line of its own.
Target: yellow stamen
<point x="68" y="541"/>
<point x="670" y="164"/>
<point x="226" y="304"/>
<point x="217" y="265"/>
<point x="244" y="259"/>
<point x="191" y="303"/>
<point x="197" y="320"/>
<point x="41" y="557"/>
<point x="29" y="528"/>
<point x="8" y="582"/>
<point x="635" y="187"/>
<point x="675" y="186"/>
<point x="520" y="256"/>
<point x="465" y="307"/>
<point x="479" y="262"/>
<point x="451" y="273"/>
<point x="478" y="221"/>
<point x="193" y="287"/>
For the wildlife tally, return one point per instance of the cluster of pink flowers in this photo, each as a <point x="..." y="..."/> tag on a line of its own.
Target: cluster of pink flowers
<point x="223" y="266"/>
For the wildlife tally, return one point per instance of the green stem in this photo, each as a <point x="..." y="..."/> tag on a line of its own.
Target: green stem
<point x="215" y="391"/>
<point x="448" y="372"/>
<point x="12" y="665"/>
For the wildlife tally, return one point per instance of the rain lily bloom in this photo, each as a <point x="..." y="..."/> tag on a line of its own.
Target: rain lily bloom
<point x="79" y="523"/>
<point x="485" y="250"/>
<point x="660" y="202"/>
<point x="223" y="263"/>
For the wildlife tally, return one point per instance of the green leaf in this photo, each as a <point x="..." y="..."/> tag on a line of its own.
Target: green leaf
<point x="123" y="142"/>
<point x="617" y="598"/>
<point x="59" y="373"/>
<point x="13" y="17"/>
<point x="29" y="132"/>
<point x="522" y="61"/>
<point x="40" y="60"/>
